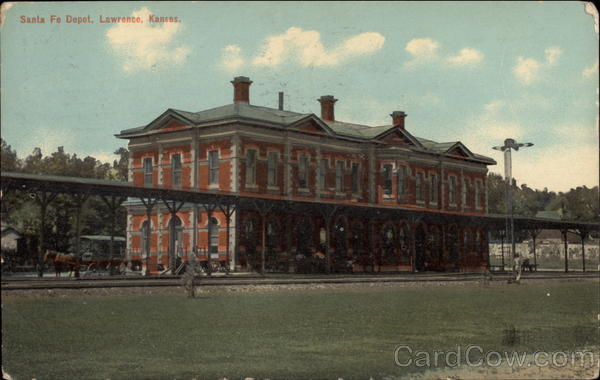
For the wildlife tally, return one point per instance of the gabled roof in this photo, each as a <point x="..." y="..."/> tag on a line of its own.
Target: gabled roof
<point x="461" y="148"/>
<point x="400" y="131"/>
<point x="230" y="111"/>
<point x="289" y="120"/>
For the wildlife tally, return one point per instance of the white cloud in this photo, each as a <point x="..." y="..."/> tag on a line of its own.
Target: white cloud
<point x="494" y="106"/>
<point x="591" y="70"/>
<point x="146" y="46"/>
<point x="104" y="157"/>
<point x="422" y="50"/>
<point x="552" y="166"/>
<point x="552" y="54"/>
<point x="425" y="50"/>
<point x="232" y="59"/>
<point x="49" y="139"/>
<point x="306" y="46"/>
<point x="527" y="70"/>
<point x="465" y="57"/>
<point x="548" y="164"/>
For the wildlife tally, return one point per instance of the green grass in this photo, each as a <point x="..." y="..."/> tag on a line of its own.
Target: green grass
<point x="284" y="334"/>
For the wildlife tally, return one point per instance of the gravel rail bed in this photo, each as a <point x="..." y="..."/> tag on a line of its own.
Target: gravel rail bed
<point x="203" y="289"/>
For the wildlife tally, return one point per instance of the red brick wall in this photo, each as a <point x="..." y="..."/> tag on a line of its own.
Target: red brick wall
<point x="224" y="148"/>
<point x="186" y="165"/>
<point x="262" y="150"/>
<point x="137" y="166"/>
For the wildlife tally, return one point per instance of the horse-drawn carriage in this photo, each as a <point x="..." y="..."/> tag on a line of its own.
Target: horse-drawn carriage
<point x="95" y="256"/>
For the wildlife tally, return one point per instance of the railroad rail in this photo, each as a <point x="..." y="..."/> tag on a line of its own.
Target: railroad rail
<point x="245" y="280"/>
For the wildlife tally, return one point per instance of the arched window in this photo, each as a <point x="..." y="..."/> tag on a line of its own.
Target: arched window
<point x="453" y="245"/>
<point x="467" y="242"/>
<point x="145" y="248"/>
<point x="272" y="243"/>
<point x="420" y="248"/>
<point x="213" y="233"/>
<point x="357" y="239"/>
<point x="478" y="250"/>
<point x="175" y="236"/>
<point x="249" y="235"/>
<point x="435" y="244"/>
<point x="340" y="235"/>
<point x="388" y="242"/>
<point x="272" y="234"/>
<point x="304" y="237"/>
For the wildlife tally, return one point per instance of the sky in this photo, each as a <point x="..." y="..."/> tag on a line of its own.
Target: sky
<point x="475" y="72"/>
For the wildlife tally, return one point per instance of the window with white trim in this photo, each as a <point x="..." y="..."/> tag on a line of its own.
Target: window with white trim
<point x="402" y="174"/>
<point x="465" y="192"/>
<point x="478" y="187"/>
<point x="148" y="171"/>
<point x="387" y="179"/>
<point x="433" y="191"/>
<point x="419" y="187"/>
<point x="272" y="168"/>
<point x="323" y="165"/>
<point x="213" y="167"/>
<point x="303" y="172"/>
<point x="452" y="190"/>
<point x="339" y="176"/>
<point x="355" y="177"/>
<point x="251" y="167"/>
<point x="176" y="169"/>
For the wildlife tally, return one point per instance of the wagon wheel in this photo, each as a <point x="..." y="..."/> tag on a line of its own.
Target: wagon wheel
<point x="91" y="268"/>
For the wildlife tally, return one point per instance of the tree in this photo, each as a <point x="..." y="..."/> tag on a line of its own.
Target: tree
<point x="121" y="166"/>
<point x="10" y="161"/>
<point x="23" y="214"/>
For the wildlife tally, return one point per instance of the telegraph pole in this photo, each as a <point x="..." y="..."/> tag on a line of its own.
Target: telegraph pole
<point x="509" y="145"/>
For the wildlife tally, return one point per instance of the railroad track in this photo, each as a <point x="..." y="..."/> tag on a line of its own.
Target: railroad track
<point x="244" y="280"/>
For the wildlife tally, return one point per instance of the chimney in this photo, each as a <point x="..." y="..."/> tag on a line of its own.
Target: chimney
<point x="398" y="119"/>
<point x="241" y="89"/>
<point x="281" y="101"/>
<point x="327" y="103"/>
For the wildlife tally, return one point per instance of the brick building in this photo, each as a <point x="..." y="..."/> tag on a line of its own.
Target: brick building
<point x="271" y="153"/>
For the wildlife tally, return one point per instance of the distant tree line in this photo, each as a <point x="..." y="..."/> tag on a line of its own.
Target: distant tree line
<point x="21" y="213"/>
<point x="581" y="203"/>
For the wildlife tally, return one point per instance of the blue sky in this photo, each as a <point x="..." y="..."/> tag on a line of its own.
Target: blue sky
<point x="474" y="72"/>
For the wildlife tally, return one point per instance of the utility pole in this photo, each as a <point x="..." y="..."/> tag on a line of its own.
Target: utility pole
<point x="509" y="145"/>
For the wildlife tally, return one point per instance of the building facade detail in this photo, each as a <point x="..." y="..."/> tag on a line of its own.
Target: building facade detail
<point x="251" y="150"/>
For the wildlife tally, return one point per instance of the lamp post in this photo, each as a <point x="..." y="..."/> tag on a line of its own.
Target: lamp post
<point x="509" y="145"/>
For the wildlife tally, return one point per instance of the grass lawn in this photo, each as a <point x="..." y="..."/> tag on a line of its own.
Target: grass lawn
<point x="323" y="333"/>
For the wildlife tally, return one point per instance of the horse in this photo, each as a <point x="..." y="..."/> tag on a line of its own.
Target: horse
<point x="61" y="261"/>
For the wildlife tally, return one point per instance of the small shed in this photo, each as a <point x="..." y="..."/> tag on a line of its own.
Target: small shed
<point x="10" y="239"/>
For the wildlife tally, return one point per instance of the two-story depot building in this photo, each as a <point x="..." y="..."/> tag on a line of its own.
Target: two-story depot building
<point x="250" y="150"/>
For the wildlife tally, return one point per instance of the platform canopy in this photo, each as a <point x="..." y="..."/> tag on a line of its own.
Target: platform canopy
<point x="76" y="185"/>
